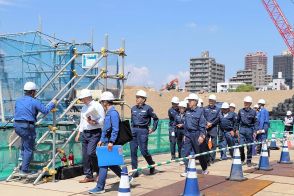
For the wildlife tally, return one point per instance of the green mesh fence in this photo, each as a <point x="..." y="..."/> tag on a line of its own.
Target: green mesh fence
<point x="158" y="143"/>
<point x="277" y="127"/>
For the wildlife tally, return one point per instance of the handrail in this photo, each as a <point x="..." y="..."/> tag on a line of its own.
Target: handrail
<point x="55" y="76"/>
<point x="80" y="78"/>
<point x="75" y="100"/>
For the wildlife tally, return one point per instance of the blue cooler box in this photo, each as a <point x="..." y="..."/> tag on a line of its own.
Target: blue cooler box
<point x="109" y="158"/>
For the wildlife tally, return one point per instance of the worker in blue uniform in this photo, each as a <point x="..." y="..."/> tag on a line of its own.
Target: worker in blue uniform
<point x="246" y="126"/>
<point x="141" y="115"/>
<point x="180" y="131"/>
<point x="263" y="124"/>
<point x="172" y="113"/>
<point x="108" y="137"/>
<point x="195" y="133"/>
<point x="26" y="111"/>
<point x="211" y="114"/>
<point x="233" y="109"/>
<point x="227" y="126"/>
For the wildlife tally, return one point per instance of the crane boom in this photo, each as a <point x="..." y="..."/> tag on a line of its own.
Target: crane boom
<point x="281" y="22"/>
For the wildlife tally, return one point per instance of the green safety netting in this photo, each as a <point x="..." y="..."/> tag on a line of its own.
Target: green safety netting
<point x="277" y="127"/>
<point x="158" y="143"/>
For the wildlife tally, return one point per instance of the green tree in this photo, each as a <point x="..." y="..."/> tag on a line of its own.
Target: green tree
<point x="245" y="88"/>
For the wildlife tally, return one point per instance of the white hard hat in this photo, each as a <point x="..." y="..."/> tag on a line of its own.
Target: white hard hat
<point x="183" y="104"/>
<point x="85" y="93"/>
<point x="232" y="105"/>
<point x="261" y="101"/>
<point x="175" y="100"/>
<point x="255" y="106"/>
<point x="289" y="113"/>
<point x="186" y="100"/>
<point x="212" y="97"/>
<point x="29" y="86"/>
<point x="193" y="96"/>
<point x="248" y="99"/>
<point x="225" y="105"/>
<point x="107" y="96"/>
<point x="141" y="93"/>
<point x="200" y="102"/>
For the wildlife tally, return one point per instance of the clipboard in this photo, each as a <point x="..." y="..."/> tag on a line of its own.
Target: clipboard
<point x="110" y="158"/>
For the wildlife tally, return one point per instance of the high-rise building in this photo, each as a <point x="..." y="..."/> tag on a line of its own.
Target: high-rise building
<point x="259" y="75"/>
<point x="255" y="72"/>
<point x="284" y="63"/>
<point x="205" y="73"/>
<point x="268" y="79"/>
<point x="252" y="60"/>
<point x="243" y="76"/>
<point x="256" y="78"/>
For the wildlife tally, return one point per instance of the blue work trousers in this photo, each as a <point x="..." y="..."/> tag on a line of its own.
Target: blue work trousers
<point x="27" y="134"/>
<point x="245" y="137"/>
<point x="90" y="138"/>
<point x="140" y="139"/>
<point x="172" y="141"/>
<point x="211" y="134"/>
<point x="180" y="141"/>
<point x="227" y="140"/>
<point x="191" y="145"/>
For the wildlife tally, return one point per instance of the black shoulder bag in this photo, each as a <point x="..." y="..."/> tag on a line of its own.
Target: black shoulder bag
<point x="124" y="133"/>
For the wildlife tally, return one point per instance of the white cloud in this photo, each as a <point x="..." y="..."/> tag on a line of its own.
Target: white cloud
<point x="7" y="2"/>
<point x="139" y="76"/>
<point x="191" y="25"/>
<point x="182" y="76"/>
<point x="194" y="26"/>
<point x="213" y="28"/>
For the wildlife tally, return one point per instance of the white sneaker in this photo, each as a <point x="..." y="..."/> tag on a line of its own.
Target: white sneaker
<point x="206" y="172"/>
<point x="181" y="162"/>
<point x="184" y="174"/>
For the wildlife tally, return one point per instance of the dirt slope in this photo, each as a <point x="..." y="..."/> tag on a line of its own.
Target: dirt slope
<point x="160" y="101"/>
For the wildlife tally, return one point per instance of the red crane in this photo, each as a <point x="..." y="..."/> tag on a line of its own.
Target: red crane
<point x="281" y="22"/>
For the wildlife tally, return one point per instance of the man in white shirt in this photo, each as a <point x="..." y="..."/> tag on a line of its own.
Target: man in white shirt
<point x="91" y="123"/>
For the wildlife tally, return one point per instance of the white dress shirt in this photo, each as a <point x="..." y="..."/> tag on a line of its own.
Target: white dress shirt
<point x="96" y="112"/>
<point x="288" y="121"/>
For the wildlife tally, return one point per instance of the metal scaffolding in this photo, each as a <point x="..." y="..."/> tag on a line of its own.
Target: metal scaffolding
<point x="56" y="67"/>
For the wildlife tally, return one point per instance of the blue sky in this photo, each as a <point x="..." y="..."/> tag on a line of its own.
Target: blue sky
<point x="161" y="35"/>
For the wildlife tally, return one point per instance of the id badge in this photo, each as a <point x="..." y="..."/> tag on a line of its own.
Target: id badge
<point x="173" y="133"/>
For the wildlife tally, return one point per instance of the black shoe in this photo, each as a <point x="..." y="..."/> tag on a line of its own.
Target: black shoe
<point x="150" y="162"/>
<point x="152" y="171"/>
<point x="249" y="164"/>
<point x="173" y="158"/>
<point x="135" y="174"/>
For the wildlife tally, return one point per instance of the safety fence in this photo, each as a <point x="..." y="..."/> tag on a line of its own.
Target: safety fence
<point x="196" y="155"/>
<point x="158" y="143"/>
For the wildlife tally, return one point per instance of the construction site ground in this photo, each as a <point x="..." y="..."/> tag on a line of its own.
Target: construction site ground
<point x="168" y="178"/>
<point x="161" y="101"/>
